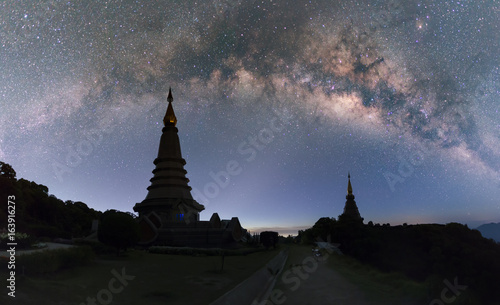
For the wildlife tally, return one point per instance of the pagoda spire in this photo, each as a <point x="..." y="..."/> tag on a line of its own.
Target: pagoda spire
<point x="349" y="186"/>
<point x="170" y="119"/>
<point x="351" y="212"/>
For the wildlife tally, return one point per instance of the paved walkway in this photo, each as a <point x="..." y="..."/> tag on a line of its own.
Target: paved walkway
<point x="254" y="288"/>
<point x="309" y="280"/>
<point x="50" y="246"/>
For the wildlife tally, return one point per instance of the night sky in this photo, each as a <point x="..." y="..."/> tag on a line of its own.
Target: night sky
<point x="404" y="95"/>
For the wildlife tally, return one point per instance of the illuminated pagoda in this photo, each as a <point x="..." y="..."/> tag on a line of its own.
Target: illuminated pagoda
<point x="169" y="215"/>
<point x="351" y="212"/>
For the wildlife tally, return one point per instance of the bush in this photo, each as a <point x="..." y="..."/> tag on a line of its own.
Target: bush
<point x="202" y="251"/>
<point x="47" y="230"/>
<point x="44" y="239"/>
<point x="23" y="240"/>
<point x="98" y="247"/>
<point x="118" y="229"/>
<point x="269" y="239"/>
<point x="50" y="261"/>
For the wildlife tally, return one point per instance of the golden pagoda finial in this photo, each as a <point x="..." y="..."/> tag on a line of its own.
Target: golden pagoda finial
<point x="170" y="118"/>
<point x="349" y="186"/>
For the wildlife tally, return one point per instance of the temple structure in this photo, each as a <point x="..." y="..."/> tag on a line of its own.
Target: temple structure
<point x="351" y="211"/>
<point x="169" y="215"/>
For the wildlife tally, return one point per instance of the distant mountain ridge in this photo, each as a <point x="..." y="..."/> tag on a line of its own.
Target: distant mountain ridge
<point x="490" y="230"/>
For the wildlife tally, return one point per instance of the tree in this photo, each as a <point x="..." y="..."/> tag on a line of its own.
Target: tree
<point x="269" y="239"/>
<point x="7" y="171"/>
<point x="323" y="228"/>
<point x="118" y="229"/>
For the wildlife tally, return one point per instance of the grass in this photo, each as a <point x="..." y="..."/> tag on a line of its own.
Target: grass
<point x="395" y="288"/>
<point x="379" y="287"/>
<point x="159" y="279"/>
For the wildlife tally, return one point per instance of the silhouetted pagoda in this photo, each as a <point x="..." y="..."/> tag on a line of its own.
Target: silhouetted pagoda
<point x="169" y="215"/>
<point x="351" y="212"/>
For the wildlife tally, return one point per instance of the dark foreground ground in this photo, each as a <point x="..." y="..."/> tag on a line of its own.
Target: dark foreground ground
<point x="335" y="279"/>
<point x="138" y="278"/>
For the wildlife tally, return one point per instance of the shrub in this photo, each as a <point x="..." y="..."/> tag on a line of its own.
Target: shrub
<point x="98" y="247"/>
<point x="118" y="229"/>
<point x="23" y="240"/>
<point x="47" y="230"/>
<point x="202" y="251"/>
<point x="269" y="239"/>
<point x="49" y="261"/>
<point x="44" y="239"/>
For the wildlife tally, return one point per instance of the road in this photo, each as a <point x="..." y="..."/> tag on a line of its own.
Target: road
<point x="308" y="279"/>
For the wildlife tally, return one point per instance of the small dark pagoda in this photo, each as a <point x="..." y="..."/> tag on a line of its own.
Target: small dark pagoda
<point x="351" y="212"/>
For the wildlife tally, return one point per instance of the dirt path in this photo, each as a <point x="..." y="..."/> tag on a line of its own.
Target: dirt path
<point x="309" y="280"/>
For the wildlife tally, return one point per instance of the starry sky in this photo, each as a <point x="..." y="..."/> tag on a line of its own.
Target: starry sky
<point x="404" y="95"/>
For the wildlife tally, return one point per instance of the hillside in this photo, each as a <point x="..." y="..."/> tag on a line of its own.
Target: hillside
<point x="39" y="213"/>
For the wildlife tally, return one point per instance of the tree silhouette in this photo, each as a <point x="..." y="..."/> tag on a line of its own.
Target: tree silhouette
<point x="7" y="171"/>
<point x="40" y="214"/>
<point x="269" y="239"/>
<point x="118" y="229"/>
<point x="323" y="227"/>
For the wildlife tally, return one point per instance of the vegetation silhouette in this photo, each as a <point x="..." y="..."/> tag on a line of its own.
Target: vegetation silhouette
<point x="118" y="229"/>
<point x="7" y="171"/>
<point x="269" y="239"/>
<point x="425" y="252"/>
<point x="41" y="214"/>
